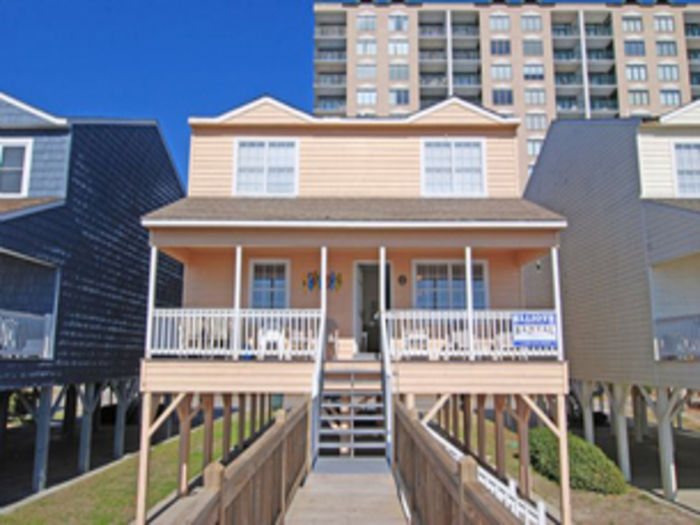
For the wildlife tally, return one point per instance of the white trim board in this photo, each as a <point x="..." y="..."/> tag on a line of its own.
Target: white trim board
<point x="28" y="144"/>
<point x="266" y="141"/>
<point x="287" y="277"/>
<point x="399" y="225"/>
<point x="51" y="119"/>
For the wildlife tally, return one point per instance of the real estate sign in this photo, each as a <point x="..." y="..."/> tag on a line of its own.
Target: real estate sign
<point x="534" y="329"/>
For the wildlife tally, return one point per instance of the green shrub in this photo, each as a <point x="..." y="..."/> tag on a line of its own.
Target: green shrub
<point x="590" y="469"/>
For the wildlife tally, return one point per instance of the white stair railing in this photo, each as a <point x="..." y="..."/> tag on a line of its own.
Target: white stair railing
<point x="387" y="388"/>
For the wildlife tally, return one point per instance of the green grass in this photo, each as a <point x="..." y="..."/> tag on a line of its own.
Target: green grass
<point x="110" y="496"/>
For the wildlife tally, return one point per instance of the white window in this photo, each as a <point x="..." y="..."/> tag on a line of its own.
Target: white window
<point x="500" y="23"/>
<point x="534" y="146"/>
<point x="398" y="71"/>
<point x="636" y="72"/>
<point x="270" y="284"/>
<point x="632" y="24"/>
<point x="668" y="72"/>
<point x="670" y="97"/>
<point x="666" y="48"/>
<point x="398" y="97"/>
<point x="536" y="121"/>
<point x="535" y="97"/>
<point x="501" y="72"/>
<point x="398" y="47"/>
<point x="442" y="285"/>
<point x="366" y="71"/>
<point x="664" y="24"/>
<point x="531" y="23"/>
<point x="639" y="97"/>
<point x="533" y="48"/>
<point x="367" y="46"/>
<point x="366" y="23"/>
<point x="366" y="97"/>
<point x="453" y="168"/>
<point x="398" y="22"/>
<point x="687" y="164"/>
<point x="533" y="72"/>
<point x="15" y="160"/>
<point x="266" y="167"/>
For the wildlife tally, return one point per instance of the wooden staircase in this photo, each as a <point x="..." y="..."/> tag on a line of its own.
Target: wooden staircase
<point x="352" y="409"/>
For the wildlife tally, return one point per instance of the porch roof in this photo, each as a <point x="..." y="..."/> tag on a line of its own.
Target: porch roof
<point x="210" y="211"/>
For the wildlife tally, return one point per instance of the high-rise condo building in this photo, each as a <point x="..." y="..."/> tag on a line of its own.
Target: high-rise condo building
<point x="536" y="61"/>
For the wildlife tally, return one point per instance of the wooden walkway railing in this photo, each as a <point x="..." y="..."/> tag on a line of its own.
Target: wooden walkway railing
<point x="439" y="489"/>
<point x="257" y="486"/>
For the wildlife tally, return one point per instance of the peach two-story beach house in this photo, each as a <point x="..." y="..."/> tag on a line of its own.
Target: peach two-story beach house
<point x="325" y="253"/>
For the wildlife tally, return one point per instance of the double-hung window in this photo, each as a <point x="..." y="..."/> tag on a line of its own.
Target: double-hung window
<point x="501" y="72"/>
<point x="366" y="97"/>
<point x="670" y="97"/>
<point x="366" y="23"/>
<point x="531" y="23"/>
<point x="533" y="72"/>
<point x="687" y="162"/>
<point x="634" y="48"/>
<point x="398" y="97"/>
<point x="453" y="168"/>
<point x="639" y="97"/>
<point x="668" y="72"/>
<point x="636" y="72"/>
<point x="499" y="23"/>
<point x="398" y="23"/>
<point x="366" y="71"/>
<point x="535" y="97"/>
<point x="536" y="121"/>
<point x="442" y="286"/>
<point x="367" y="47"/>
<point x="398" y="72"/>
<point x="269" y="286"/>
<point x="534" y="146"/>
<point x="666" y="48"/>
<point x="632" y="24"/>
<point x="664" y="24"/>
<point x="533" y="48"/>
<point x="266" y="167"/>
<point x="398" y="47"/>
<point x="15" y="157"/>
<point x="502" y="97"/>
<point x="500" y="47"/>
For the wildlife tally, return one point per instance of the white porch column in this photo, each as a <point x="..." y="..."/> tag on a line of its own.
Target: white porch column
<point x="323" y="284"/>
<point x="557" y="300"/>
<point x="586" y="398"/>
<point x="42" y="418"/>
<point x="619" y="400"/>
<point x="469" y="285"/>
<point x="152" y="274"/>
<point x="382" y="280"/>
<point x="237" y="302"/>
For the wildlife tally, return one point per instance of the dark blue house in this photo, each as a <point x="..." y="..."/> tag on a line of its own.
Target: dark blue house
<point x="74" y="263"/>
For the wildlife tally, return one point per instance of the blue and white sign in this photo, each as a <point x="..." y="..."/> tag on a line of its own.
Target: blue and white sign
<point x="534" y="330"/>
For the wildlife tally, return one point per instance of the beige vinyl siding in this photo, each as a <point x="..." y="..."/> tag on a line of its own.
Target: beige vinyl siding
<point x="454" y="114"/>
<point x="352" y="165"/>
<point x="656" y="160"/>
<point x="691" y="116"/>
<point x="266" y="113"/>
<point x="211" y="164"/>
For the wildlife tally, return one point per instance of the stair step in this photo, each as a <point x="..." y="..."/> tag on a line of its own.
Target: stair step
<point x="353" y="431"/>
<point x="350" y="392"/>
<point x="362" y="406"/>
<point x="362" y="445"/>
<point x="356" y="417"/>
<point x="348" y="386"/>
<point x="352" y="371"/>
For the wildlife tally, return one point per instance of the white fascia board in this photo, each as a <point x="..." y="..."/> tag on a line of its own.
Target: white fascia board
<point x="397" y="225"/>
<point x="32" y="110"/>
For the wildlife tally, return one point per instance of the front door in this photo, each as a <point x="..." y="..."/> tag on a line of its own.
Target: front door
<point x="367" y="333"/>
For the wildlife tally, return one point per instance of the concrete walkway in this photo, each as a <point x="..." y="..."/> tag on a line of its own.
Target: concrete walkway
<point x="347" y="491"/>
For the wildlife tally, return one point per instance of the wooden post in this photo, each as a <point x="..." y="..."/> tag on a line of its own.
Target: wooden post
<point x="410" y="401"/>
<point x="523" y="412"/>
<point x="208" y="406"/>
<point x="43" y="434"/>
<point x="467" y="474"/>
<point x="183" y="474"/>
<point x="280" y="417"/>
<point x="467" y="421"/>
<point x="144" y="453"/>
<point x="69" y="411"/>
<point x="253" y="414"/>
<point x="4" y="408"/>
<point x="500" y="434"/>
<point x="455" y="416"/>
<point x="638" y="408"/>
<point x="481" y="426"/>
<point x="226" y="435"/>
<point x="88" y="403"/>
<point x="241" y="420"/>
<point x="565" y="493"/>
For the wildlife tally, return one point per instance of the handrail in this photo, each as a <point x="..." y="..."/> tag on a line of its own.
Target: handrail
<point x="387" y="388"/>
<point x="316" y="386"/>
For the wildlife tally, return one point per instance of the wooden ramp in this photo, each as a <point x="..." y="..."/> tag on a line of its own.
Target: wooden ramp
<point x="342" y="490"/>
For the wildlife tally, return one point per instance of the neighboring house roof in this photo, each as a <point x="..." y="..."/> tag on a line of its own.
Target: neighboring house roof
<point x="12" y="208"/>
<point x="225" y="211"/>
<point x="275" y="108"/>
<point x="684" y="204"/>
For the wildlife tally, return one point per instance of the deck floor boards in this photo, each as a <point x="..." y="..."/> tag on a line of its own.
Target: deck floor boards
<point x="347" y="491"/>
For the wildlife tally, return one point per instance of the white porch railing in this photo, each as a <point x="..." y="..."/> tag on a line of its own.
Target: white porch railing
<point x="497" y="334"/>
<point x="507" y="495"/>
<point x="677" y="337"/>
<point x="24" y="335"/>
<point x="246" y="334"/>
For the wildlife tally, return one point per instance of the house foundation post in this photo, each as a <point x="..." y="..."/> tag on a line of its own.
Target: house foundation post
<point x="639" y="409"/>
<point x="481" y="426"/>
<point x="467" y="421"/>
<point x="226" y="434"/>
<point x="253" y="414"/>
<point x="123" y="392"/>
<point x="500" y="434"/>
<point x="4" y="409"/>
<point x="43" y="434"/>
<point x="88" y="401"/>
<point x="184" y="415"/>
<point x="455" y="416"/>
<point x="208" y="450"/>
<point x="523" y="413"/>
<point x="664" y="411"/>
<point x="586" y="398"/>
<point x="70" y="405"/>
<point x="144" y="453"/>
<point x="564" y="482"/>
<point x="241" y="421"/>
<point x="619" y="401"/>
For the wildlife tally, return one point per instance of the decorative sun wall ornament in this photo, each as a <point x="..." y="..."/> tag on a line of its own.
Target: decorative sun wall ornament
<point x="311" y="281"/>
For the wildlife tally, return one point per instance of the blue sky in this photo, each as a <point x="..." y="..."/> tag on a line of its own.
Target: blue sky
<point x="156" y="59"/>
